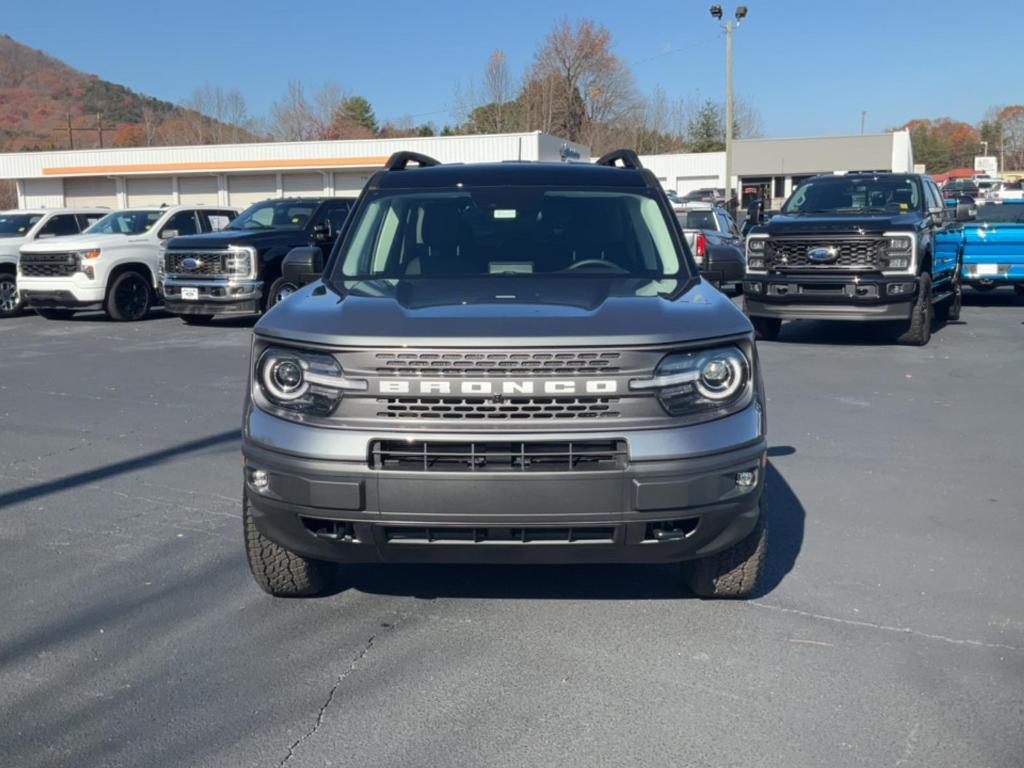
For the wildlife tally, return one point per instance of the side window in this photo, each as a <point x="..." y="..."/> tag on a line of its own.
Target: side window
<point x="334" y="215"/>
<point x="64" y="224"/>
<point x="215" y="221"/>
<point x="183" y="222"/>
<point x="86" y="220"/>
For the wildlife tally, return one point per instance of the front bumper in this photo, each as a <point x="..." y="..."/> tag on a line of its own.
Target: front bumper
<point x="676" y="499"/>
<point x="830" y="297"/>
<point x="215" y="297"/>
<point x="76" y="291"/>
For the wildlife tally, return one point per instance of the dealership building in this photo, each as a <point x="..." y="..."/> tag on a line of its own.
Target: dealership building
<point x="241" y="174"/>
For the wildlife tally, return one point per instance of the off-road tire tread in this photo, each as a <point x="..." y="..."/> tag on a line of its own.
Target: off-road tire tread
<point x="279" y="571"/>
<point x="733" y="572"/>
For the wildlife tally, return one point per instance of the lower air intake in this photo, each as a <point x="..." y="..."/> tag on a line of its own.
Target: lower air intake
<point x="515" y="456"/>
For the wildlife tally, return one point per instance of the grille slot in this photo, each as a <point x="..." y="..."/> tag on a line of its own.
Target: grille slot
<point x="48" y="264"/>
<point x="211" y="263"/>
<point x="861" y="253"/>
<point x="505" y="409"/>
<point x="497" y="535"/>
<point x="519" y="364"/>
<point x="515" y="456"/>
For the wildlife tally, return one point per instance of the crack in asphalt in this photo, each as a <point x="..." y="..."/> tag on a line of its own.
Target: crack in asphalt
<point x="337" y="684"/>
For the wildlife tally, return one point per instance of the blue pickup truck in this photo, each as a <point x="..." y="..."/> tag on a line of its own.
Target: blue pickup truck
<point x="990" y="246"/>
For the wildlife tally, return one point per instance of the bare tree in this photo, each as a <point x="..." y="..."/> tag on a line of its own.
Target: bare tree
<point x="227" y="115"/>
<point x="297" y="118"/>
<point x="498" y="87"/>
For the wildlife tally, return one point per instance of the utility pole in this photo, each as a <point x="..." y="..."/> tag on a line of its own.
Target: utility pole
<point x="99" y="128"/>
<point x="863" y="117"/>
<point x="71" y="133"/>
<point x="729" y="26"/>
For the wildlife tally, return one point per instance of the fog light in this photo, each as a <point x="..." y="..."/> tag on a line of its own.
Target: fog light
<point x="752" y="288"/>
<point x="747" y="479"/>
<point x="259" y="478"/>
<point x="898" y="289"/>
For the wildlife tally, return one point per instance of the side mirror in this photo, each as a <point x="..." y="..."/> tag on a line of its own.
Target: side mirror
<point x="965" y="209"/>
<point x="167" y="234"/>
<point x="303" y="265"/>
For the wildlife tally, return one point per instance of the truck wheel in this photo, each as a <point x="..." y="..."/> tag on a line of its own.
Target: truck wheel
<point x="279" y="571"/>
<point x="128" y="297"/>
<point x="766" y="328"/>
<point x="10" y="300"/>
<point x="280" y="290"/>
<point x="949" y="311"/>
<point x="53" y="313"/>
<point x="734" y="572"/>
<point x="197" y="319"/>
<point x="917" y="331"/>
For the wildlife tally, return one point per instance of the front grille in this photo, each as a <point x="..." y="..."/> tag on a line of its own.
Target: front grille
<point x="860" y="253"/>
<point x="210" y="263"/>
<point x="514" y="456"/>
<point x="498" y="535"/>
<point x="497" y="410"/>
<point x="48" y="264"/>
<point x="456" y="364"/>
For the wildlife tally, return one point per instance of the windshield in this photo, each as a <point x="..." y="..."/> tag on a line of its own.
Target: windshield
<point x="18" y="224"/>
<point x="519" y="231"/>
<point x="125" y="223"/>
<point x="1006" y="213"/>
<point x="843" y="195"/>
<point x="697" y="220"/>
<point x="275" y="214"/>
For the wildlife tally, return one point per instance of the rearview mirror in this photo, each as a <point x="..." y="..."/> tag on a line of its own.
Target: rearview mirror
<point x="965" y="209"/>
<point x="303" y="265"/>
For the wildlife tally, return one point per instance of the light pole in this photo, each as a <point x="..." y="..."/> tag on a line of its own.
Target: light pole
<point x="729" y="26"/>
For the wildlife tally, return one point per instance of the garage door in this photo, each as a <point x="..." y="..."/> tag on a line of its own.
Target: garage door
<point x="246" y="190"/>
<point x="86" y="192"/>
<point x="349" y="183"/>
<point x="197" y="189"/>
<point x="302" y="184"/>
<point x="149" y="191"/>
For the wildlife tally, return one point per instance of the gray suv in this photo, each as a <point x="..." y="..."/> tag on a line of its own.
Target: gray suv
<point x="505" y="363"/>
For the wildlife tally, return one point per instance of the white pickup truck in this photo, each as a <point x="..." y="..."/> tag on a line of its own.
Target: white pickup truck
<point x="17" y="228"/>
<point x="114" y="265"/>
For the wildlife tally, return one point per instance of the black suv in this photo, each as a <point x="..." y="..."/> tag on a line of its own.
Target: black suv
<point x="505" y="363"/>
<point x="238" y="269"/>
<point x="855" y="247"/>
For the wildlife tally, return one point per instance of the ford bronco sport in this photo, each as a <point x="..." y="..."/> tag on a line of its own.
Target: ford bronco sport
<point x="506" y="363"/>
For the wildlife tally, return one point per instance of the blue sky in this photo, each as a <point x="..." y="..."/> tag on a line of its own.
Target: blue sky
<point x="809" y="67"/>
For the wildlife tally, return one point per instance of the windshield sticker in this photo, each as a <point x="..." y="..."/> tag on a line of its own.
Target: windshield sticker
<point x="504" y="213"/>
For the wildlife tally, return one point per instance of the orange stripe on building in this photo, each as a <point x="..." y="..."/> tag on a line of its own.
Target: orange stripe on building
<point x="222" y="165"/>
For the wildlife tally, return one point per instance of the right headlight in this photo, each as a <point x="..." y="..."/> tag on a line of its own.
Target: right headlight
<point x="704" y="384"/>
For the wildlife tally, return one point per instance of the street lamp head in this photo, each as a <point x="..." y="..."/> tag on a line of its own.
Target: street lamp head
<point x="716" y="11"/>
<point x="741" y="12"/>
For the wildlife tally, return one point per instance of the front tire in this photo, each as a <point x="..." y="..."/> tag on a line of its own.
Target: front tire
<point x="917" y="331"/>
<point x="279" y="571"/>
<point x="10" y="300"/>
<point x="280" y="290"/>
<point x="128" y="298"/>
<point x="766" y="328"/>
<point x="733" y="573"/>
<point x="53" y="313"/>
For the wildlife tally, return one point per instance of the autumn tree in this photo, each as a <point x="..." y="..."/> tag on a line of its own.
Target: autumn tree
<point x="298" y="118"/>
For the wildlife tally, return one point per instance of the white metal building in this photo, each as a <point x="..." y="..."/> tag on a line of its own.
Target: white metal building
<point x="241" y="174"/>
<point x="773" y="166"/>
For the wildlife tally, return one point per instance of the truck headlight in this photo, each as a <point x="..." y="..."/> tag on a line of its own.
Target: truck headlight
<point x="85" y="260"/>
<point x="302" y="382"/>
<point x="899" y="252"/>
<point x="756" y="247"/>
<point x="704" y="384"/>
<point x="239" y="262"/>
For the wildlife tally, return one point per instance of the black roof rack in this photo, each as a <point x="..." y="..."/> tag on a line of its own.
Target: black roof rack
<point x="399" y="160"/>
<point x="628" y="157"/>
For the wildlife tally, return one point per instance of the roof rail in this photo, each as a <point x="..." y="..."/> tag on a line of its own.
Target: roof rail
<point x="399" y="160"/>
<point x="628" y="157"/>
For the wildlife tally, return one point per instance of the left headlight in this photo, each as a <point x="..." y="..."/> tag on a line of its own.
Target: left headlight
<point x="704" y="384"/>
<point x="898" y="255"/>
<point x="302" y="382"/>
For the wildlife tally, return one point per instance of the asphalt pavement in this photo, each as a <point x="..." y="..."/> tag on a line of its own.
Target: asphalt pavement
<point x="890" y="629"/>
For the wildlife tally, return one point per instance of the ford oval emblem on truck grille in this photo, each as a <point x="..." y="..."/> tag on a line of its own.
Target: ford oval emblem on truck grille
<point x="191" y="263"/>
<point x="823" y="255"/>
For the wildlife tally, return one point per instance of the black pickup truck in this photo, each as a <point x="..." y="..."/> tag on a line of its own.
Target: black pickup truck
<point x="238" y="269"/>
<point x="856" y="247"/>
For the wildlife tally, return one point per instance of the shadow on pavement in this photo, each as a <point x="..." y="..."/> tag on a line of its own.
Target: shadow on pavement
<point x="144" y="461"/>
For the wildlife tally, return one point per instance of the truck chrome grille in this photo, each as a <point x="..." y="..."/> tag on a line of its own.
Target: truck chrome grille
<point x="513" y="456"/>
<point x="48" y="264"/>
<point x="210" y="263"/>
<point x="455" y="364"/>
<point x="791" y="253"/>
<point x="506" y="409"/>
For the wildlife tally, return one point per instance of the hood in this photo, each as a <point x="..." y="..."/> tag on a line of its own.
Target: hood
<point x="504" y="312"/>
<point x="9" y="247"/>
<point x="79" y="243"/>
<point x="258" y="238"/>
<point x="789" y="224"/>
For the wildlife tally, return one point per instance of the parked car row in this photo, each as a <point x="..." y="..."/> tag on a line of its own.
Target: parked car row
<point x="200" y="261"/>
